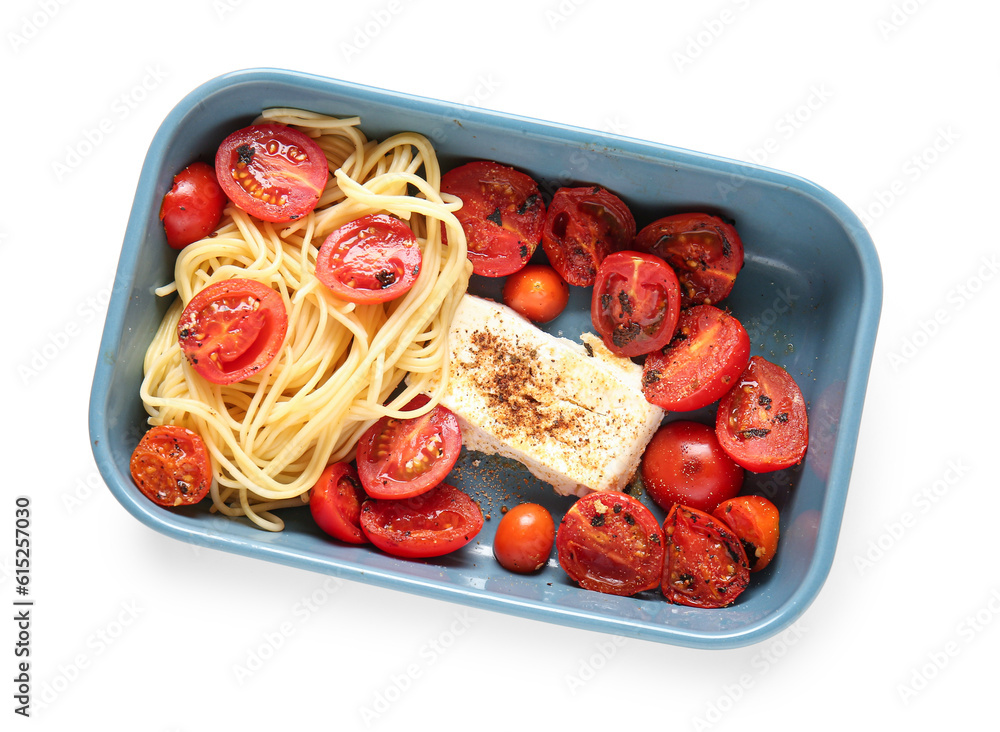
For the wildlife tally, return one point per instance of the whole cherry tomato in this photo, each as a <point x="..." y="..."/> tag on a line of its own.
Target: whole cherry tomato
<point x="192" y="208"/>
<point x="684" y="463"/>
<point x="524" y="538"/>
<point x="537" y="292"/>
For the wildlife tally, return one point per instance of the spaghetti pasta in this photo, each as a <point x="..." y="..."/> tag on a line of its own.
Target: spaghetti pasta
<point x="271" y="436"/>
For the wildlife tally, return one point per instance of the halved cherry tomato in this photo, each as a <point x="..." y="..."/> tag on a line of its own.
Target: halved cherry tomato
<point x="434" y="523"/>
<point x="502" y="215"/>
<point x="582" y="227"/>
<point x="709" y="350"/>
<point x="754" y="520"/>
<point x="192" y="208"/>
<point x="610" y="542"/>
<point x="401" y="458"/>
<point x="272" y="171"/>
<point x="684" y="463"/>
<point x="524" y="538"/>
<point x="335" y="503"/>
<point x="635" y="303"/>
<point x="232" y="329"/>
<point x="762" y="422"/>
<point x="372" y="259"/>
<point x="706" y="252"/>
<point x="705" y="565"/>
<point x="171" y="466"/>
<point x="537" y="292"/>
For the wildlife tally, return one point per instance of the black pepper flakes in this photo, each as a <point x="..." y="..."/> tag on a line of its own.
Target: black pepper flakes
<point x="626" y="303"/>
<point x="528" y="203"/>
<point x="245" y="154"/>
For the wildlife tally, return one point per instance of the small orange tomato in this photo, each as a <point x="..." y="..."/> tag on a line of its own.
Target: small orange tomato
<point x="753" y="519"/>
<point x="537" y="292"/>
<point x="524" y="538"/>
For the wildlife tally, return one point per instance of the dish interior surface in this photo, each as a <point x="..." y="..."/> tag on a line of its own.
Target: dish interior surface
<point x="809" y="295"/>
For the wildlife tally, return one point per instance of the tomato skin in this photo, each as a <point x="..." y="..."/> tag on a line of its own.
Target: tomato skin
<point x="502" y="215"/>
<point x="432" y="524"/>
<point x="610" y="542"/>
<point x="761" y="422"/>
<point x="708" y="352"/>
<point x="335" y="503"/>
<point x="635" y="304"/>
<point x="232" y="329"/>
<point x="684" y="463"/>
<point x="272" y="171"/>
<point x="372" y="259"/>
<point x="524" y="538"/>
<point x="171" y="466"/>
<point x="402" y="458"/>
<point x="192" y="208"/>
<point x="582" y="227"/>
<point x="537" y="292"/>
<point x="754" y="520"/>
<point x="705" y="251"/>
<point x="705" y="565"/>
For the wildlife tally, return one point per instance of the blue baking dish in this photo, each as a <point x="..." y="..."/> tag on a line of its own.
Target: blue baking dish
<point x="809" y="295"/>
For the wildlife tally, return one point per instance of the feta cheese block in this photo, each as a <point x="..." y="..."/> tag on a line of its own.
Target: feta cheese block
<point x="573" y="414"/>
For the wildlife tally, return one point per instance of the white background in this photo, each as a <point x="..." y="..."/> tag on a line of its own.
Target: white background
<point x="890" y="104"/>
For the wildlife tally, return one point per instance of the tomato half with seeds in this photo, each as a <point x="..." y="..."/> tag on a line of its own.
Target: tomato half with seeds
<point x="705" y="251"/>
<point x="335" y="503"/>
<point x="192" y="208"/>
<point x="502" y="215"/>
<point x="705" y="563"/>
<point x="171" y="466"/>
<point x="610" y="542"/>
<point x="754" y="520"/>
<point x="685" y="464"/>
<point x="272" y="171"/>
<point x="761" y="422"/>
<point x="432" y="524"/>
<point x="635" y="303"/>
<point x="524" y="538"/>
<point x="401" y="458"/>
<point x="372" y="259"/>
<point x="232" y="329"/>
<point x="582" y="227"/>
<point x="708" y="352"/>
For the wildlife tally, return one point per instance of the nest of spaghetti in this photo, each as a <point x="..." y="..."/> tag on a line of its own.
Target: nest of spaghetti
<point x="341" y="365"/>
